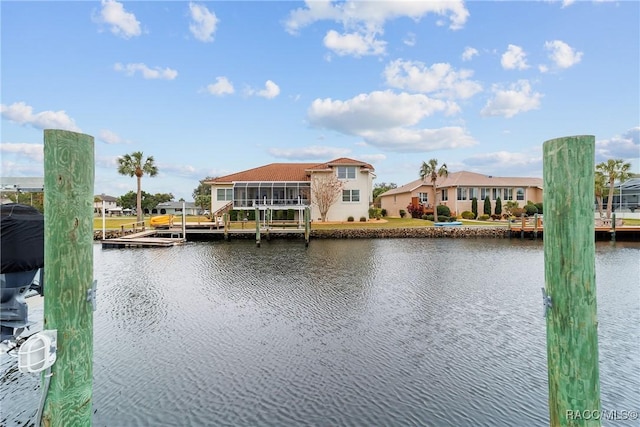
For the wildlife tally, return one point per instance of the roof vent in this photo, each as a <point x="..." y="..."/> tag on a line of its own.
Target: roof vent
<point x="490" y="176"/>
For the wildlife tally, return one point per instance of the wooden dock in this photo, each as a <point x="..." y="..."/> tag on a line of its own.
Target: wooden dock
<point x="144" y="239"/>
<point x="604" y="230"/>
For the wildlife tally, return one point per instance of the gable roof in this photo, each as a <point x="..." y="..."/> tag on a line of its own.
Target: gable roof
<point x="296" y="172"/>
<point x="407" y="188"/>
<point x="106" y="198"/>
<point x="468" y="179"/>
<point x="465" y="178"/>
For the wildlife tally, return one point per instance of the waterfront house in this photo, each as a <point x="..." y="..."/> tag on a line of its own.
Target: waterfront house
<point x="175" y="208"/>
<point x="458" y="190"/>
<point x="110" y="205"/>
<point x="288" y="186"/>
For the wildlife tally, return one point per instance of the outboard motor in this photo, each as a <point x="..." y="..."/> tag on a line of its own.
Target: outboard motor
<point x="22" y="263"/>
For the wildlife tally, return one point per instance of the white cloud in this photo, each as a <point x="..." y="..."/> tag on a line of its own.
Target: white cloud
<point x="355" y="44"/>
<point x="516" y="99"/>
<point x="419" y="140"/>
<point x="21" y="113"/>
<point x="270" y="91"/>
<point x="514" y="58"/>
<point x="372" y="158"/>
<point x="410" y="39"/>
<point x="123" y="24"/>
<point x="222" y="86"/>
<point x="625" y="146"/>
<point x="469" y="53"/>
<point x="385" y="119"/>
<point x="308" y="153"/>
<point x="562" y="55"/>
<point x="372" y="15"/>
<point x="376" y="110"/>
<point x="110" y="137"/>
<point x="147" y="73"/>
<point x="504" y="160"/>
<point x="203" y="24"/>
<point x="34" y="152"/>
<point x="363" y="21"/>
<point x="440" y="79"/>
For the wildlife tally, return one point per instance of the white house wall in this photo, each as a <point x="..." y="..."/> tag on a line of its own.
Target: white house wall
<point x="341" y="211"/>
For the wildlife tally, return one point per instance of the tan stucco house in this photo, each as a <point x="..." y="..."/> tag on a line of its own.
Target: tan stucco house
<point x="458" y="190"/>
<point x="283" y="186"/>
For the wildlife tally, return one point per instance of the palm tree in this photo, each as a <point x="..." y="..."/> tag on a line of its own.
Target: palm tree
<point x="133" y="165"/>
<point x="431" y="171"/>
<point x="613" y="170"/>
<point x="600" y="186"/>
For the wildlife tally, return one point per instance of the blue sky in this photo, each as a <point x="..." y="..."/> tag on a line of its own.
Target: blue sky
<point x="212" y="88"/>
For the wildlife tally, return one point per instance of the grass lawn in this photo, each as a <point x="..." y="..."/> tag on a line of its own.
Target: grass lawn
<point x="116" y="222"/>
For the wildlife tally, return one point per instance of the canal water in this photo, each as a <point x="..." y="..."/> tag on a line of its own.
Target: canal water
<point x="371" y="332"/>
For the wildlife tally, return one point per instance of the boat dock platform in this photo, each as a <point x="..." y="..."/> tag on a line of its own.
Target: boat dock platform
<point x="604" y="230"/>
<point x="177" y="234"/>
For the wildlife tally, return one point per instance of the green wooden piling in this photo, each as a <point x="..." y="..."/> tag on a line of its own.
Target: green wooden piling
<point x="569" y="255"/>
<point x="257" y="227"/>
<point x="535" y="225"/>
<point x="68" y="249"/>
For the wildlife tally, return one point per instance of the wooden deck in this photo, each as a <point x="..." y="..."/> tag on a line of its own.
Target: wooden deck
<point x="145" y="239"/>
<point x="602" y="232"/>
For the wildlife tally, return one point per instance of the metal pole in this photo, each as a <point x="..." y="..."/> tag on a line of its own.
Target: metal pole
<point x="68" y="253"/>
<point x="184" y="223"/>
<point x="570" y="291"/>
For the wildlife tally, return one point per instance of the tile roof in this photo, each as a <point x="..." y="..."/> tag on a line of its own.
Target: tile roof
<point x="274" y="172"/>
<point x="407" y="188"/>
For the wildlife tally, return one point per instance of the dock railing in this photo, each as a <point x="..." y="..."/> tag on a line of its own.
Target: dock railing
<point x="133" y="226"/>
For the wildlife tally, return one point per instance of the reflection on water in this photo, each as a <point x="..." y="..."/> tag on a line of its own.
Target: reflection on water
<point x="344" y="333"/>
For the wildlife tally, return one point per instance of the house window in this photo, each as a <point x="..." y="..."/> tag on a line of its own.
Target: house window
<point x="508" y="194"/>
<point x="225" y="194"/>
<point x="423" y="197"/>
<point x="485" y="192"/>
<point x="520" y="194"/>
<point x="346" y="172"/>
<point x="473" y="192"/>
<point x="462" y="193"/>
<point x="350" y="195"/>
<point x="496" y="193"/>
<point x="445" y="195"/>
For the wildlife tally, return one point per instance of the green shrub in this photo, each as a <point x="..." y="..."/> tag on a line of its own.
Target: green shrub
<point x="363" y="219"/>
<point x="443" y="211"/>
<point x="539" y="206"/>
<point x="383" y="212"/>
<point x="453" y="219"/>
<point x="531" y="209"/>
<point x="468" y="215"/>
<point x="233" y="216"/>
<point x="403" y="213"/>
<point x="483" y="217"/>
<point x="375" y="213"/>
<point x="350" y="219"/>
<point x="474" y="208"/>
<point x="487" y="206"/>
<point x="252" y="215"/>
<point x="429" y="217"/>
<point x="443" y="218"/>
<point x="498" y="206"/>
<point x="517" y="212"/>
<point x="291" y="214"/>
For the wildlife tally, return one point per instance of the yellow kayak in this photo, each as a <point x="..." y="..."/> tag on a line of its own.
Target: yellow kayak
<point x="161" y="220"/>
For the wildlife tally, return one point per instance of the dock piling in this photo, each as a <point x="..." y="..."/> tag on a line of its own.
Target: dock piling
<point x="68" y="249"/>
<point x="569" y="260"/>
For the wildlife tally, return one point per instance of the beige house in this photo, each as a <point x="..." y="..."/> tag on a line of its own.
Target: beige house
<point x="458" y="190"/>
<point x="284" y="186"/>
